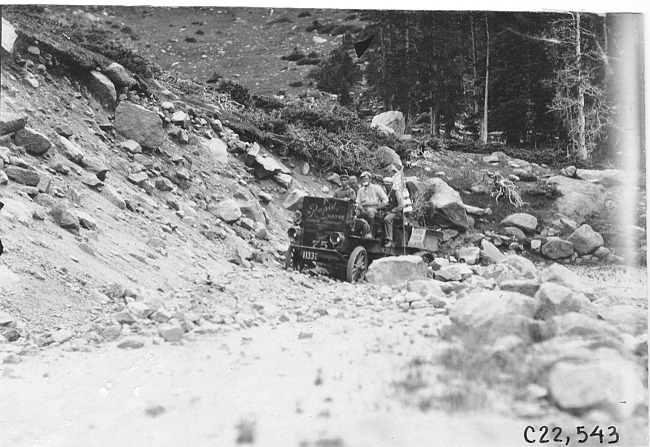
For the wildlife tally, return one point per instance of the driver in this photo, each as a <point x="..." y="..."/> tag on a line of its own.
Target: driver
<point x="370" y="198"/>
<point x="345" y="191"/>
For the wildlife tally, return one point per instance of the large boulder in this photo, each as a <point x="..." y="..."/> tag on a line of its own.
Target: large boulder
<point x="627" y="318"/>
<point x="561" y="275"/>
<point x="35" y="143"/>
<point x="611" y="384"/>
<point x="217" y="149"/>
<point x="267" y="166"/>
<point x="12" y="122"/>
<point x="494" y="314"/>
<point x="491" y="252"/>
<point x="524" y="221"/>
<point x="64" y="217"/>
<point x="293" y="201"/>
<point x="103" y="89"/>
<point x="70" y="150"/>
<point x="139" y="124"/>
<point x="386" y="156"/>
<point x="554" y="299"/>
<point x="227" y="210"/>
<point x="454" y="272"/>
<point x="119" y="76"/>
<point x="427" y="288"/>
<point x="606" y="177"/>
<point x="9" y="36"/>
<point x="579" y="198"/>
<point x="524" y="267"/>
<point x="396" y="271"/>
<point x="393" y="120"/>
<point x="556" y="248"/>
<point x="573" y="324"/>
<point x="23" y="176"/>
<point x="447" y="207"/>
<point x="585" y="240"/>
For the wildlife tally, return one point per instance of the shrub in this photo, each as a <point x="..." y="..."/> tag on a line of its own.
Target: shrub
<point x="338" y="75"/>
<point x="237" y="92"/>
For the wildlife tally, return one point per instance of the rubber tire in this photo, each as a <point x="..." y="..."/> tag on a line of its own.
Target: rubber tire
<point x="357" y="265"/>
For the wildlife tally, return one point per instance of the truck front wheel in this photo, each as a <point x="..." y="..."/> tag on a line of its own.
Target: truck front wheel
<point x="357" y="265"/>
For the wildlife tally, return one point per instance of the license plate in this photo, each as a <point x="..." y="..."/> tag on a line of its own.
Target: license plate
<point x="309" y="255"/>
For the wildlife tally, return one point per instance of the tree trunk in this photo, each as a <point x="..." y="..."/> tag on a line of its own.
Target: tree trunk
<point x="475" y="82"/>
<point x="582" y="145"/>
<point x="484" y="123"/>
<point x="383" y="68"/>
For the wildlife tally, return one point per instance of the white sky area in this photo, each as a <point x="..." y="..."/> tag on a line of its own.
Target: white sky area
<point x="499" y="5"/>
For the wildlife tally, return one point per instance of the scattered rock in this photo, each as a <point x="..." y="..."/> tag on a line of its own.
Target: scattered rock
<point x="585" y="240"/>
<point x="294" y="199"/>
<point x="524" y="221"/>
<point x="35" y="143"/>
<point x="139" y="124"/>
<point x="610" y="384"/>
<point x="64" y="217"/>
<point x="12" y="122"/>
<point x="131" y="344"/>
<point x="560" y="274"/>
<point x="131" y="146"/>
<point x="23" y="176"/>
<point x="164" y="184"/>
<point x="393" y="120"/>
<point x="606" y="177"/>
<point x="139" y="309"/>
<point x="138" y="177"/>
<point x="449" y="209"/>
<point x="555" y="299"/>
<point x="396" y="271"/>
<point x="103" y="89"/>
<point x="579" y="198"/>
<point x="627" y="318"/>
<point x="6" y="320"/>
<point x="217" y="149"/>
<point x="114" y="197"/>
<point x="170" y="332"/>
<point x="494" y="314"/>
<point x="514" y="232"/>
<point x="454" y="272"/>
<point x="227" y="210"/>
<point x="556" y="248"/>
<point x="491" y="252"/>
<point x="119" y="76"/>
<point x="525" y="286"/>
<point x="469" y="254"/>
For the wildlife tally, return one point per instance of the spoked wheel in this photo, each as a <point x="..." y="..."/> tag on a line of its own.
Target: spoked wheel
<point x="292" y="260"/>
<point x="357" y="264"/>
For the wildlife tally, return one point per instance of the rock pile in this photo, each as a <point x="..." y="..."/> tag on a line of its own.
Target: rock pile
<point x="554" y="322"/>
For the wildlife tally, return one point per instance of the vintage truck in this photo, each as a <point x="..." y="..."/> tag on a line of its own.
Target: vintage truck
<point x="326" y="232"/>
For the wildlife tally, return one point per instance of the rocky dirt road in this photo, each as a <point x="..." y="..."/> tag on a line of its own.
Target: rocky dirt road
<point x="320" y="368"/>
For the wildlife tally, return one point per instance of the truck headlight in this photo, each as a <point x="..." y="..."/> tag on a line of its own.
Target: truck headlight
<point x="293" y="233"/>
<point x="336" y="239"/>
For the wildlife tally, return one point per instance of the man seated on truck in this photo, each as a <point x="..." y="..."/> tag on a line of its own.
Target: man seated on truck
<point x="345" y="191"/>
<point x="395" y="209"/>
<point x="370" y="198"/>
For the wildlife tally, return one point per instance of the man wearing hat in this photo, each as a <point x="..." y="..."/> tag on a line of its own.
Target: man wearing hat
<point x="345" y="191"/>
<point x="370" y="198"/>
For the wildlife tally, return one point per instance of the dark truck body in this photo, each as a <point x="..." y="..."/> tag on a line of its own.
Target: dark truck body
<point x="328" y="233"/>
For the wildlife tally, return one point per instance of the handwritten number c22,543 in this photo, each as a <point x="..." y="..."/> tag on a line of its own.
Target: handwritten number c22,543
<point x="545" y="435"/>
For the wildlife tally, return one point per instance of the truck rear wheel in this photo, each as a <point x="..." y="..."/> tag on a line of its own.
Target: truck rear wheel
<point x="357" y="265"/>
